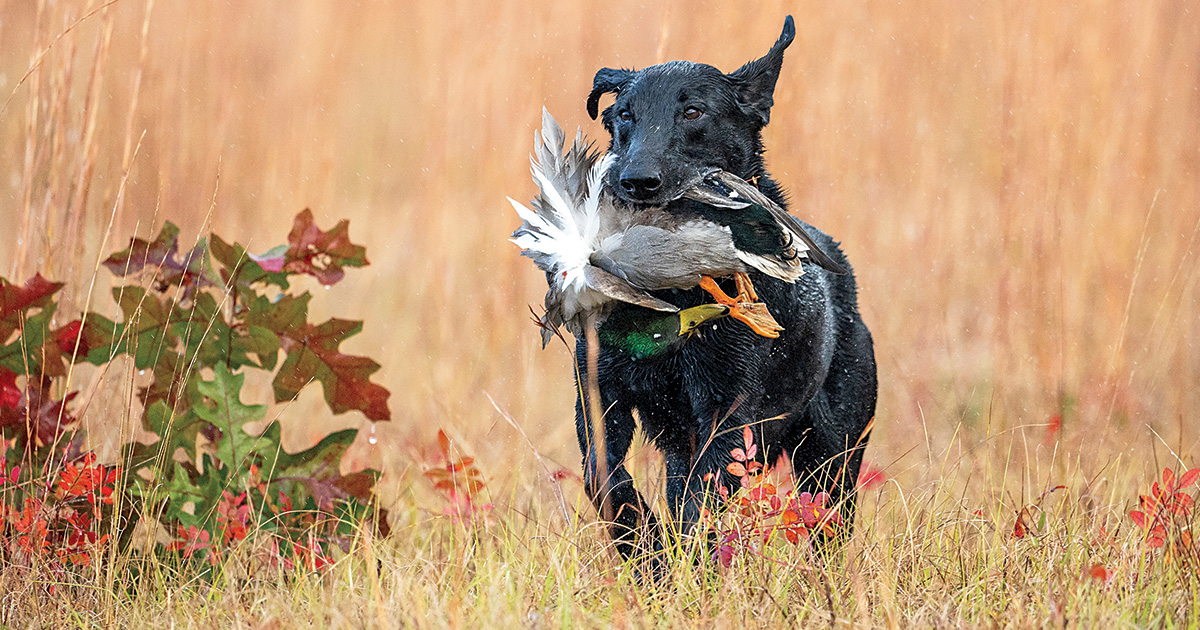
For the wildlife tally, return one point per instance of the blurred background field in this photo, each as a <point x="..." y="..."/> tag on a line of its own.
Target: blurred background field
<point x="1017" y="185"/>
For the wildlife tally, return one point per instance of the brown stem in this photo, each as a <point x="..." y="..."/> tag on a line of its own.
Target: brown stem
<point x="596" y="417"/>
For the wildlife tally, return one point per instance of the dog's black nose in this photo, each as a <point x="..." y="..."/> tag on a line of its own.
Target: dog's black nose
<point x="640" y="184"/>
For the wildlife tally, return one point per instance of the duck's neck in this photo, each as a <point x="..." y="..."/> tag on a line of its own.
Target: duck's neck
<point x="640" y="333"/>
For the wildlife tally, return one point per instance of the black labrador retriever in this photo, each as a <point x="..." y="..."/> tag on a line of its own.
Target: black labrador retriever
<point x="809" y="393"/>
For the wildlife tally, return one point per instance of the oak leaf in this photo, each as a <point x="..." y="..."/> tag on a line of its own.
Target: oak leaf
<point x="313" y="354"/>
<point x="15" y="301"/>
<point x="317" y="253"/>
<point x="162" y="254"/>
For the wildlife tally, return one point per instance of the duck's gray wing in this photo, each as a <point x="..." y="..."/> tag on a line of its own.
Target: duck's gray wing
<point x="653" y="258"/>
<point x="618" y="289"/>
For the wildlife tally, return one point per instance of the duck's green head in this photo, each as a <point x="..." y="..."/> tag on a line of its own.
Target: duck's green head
<point x="644" y="334"/>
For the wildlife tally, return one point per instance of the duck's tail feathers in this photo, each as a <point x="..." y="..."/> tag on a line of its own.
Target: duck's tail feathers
<point x="806" y="247"/>
<point x="770" y="265"/>
<point x="559" y="231"/>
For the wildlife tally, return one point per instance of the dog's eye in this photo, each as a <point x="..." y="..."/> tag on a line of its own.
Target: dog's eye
<point x="625" y="114"/>
<point x="692" y="113"/>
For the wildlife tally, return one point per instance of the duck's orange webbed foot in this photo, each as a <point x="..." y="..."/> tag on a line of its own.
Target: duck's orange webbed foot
<point x="745" y="307"/>
<point x="746" y="292"/>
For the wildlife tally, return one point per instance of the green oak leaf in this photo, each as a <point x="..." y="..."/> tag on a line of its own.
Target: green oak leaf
<point x="224" y="409"/>
<point x="240" y="268"/>
<point x="318" y="469"/>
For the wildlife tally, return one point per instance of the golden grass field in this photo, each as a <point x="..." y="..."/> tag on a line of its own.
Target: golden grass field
<point x="1016" y="184"/>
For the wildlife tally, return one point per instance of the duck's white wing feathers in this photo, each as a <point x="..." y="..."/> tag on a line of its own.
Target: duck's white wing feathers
<point x="562" y="229"/>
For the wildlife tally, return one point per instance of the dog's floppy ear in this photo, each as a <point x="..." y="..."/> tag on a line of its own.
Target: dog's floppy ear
<point x="607" y="80"/>
<point x="755" y="81"/>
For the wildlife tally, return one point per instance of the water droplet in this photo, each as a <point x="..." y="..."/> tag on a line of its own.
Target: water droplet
<point x="371" y="439"/>
<point x="142" y="372"/>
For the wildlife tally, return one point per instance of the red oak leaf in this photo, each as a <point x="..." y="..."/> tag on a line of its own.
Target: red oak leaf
<point x="89" y="333"/>
<point x="10" y="394"/>
<point x="37" y="405"/>
<point x="67" y="336"/>
<point x="317" y="253"/>
<point x="312" y="354"/>
<point x="15" y="300"/>
<point x="162" y="254"/>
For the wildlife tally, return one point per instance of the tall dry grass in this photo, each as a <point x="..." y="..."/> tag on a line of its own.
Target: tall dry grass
<point x="1017" y="185"/>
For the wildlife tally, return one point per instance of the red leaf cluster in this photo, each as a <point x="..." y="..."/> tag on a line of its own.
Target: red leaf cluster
<point x="309" y="556"/>
<point x="316" y="253"/>
<point x="1166" y="512"/>
<point x="744" y="466"/>
<point x="233" y="516"/>
<point x="870" y="477"/>
<point x="66" y="531"/>
<point x="759" y="509"/>
<point x="233" y="525"/>
<point x="192" y="540"/>
<point x="88" y="480"/>
<point x="460" y="482"/>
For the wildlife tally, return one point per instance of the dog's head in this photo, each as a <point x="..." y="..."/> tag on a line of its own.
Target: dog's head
<point x="677" y="120"/>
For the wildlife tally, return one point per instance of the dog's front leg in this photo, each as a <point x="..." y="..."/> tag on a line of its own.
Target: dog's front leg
<point x="723" y="384"/>
<point x="615" y="494"/>
<point x="706" y="474"/>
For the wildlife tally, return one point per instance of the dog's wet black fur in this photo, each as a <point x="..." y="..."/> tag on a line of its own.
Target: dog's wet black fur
<point x="810" y="393"/>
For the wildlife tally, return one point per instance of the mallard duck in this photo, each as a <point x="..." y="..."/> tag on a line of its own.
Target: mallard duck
<point x="596" y="250"/>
